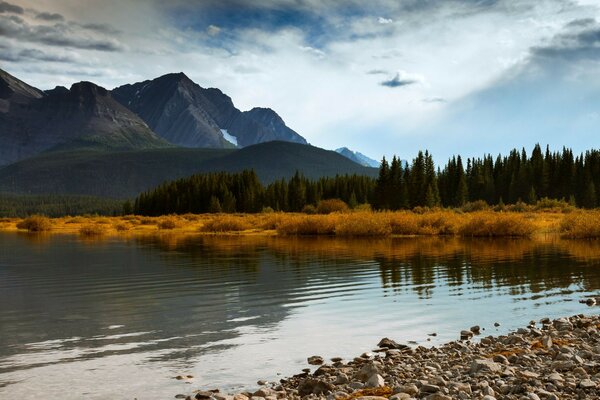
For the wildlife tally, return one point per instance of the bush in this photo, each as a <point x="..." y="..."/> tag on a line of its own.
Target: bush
<point x="168" y="223"/>
<point x="147" y="221"/>
<point x="309" y="209"/>
<point x="35" y="223"/>
<point x="579" y="225"/>
<point x="226" y="223"/>
<point x="91" y="230"/>
<point x="477" y="205"/>
<point x="267" y="210"/>
<point x="307" y="225"/>
<point x="488" y="224"/>
<point x="122" y="227"/>
<point x="363" y="224"/>
<point x="519" y="206"/>
<point x="331" y="205"/>
<point x="404" y="223"/>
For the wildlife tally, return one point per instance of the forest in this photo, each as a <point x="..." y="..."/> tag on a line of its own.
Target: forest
<point x="516" y="177"/>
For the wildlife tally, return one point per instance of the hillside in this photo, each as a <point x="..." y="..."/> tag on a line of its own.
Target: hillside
<point x="32" y="121"/>
<point x="125" y="174"/>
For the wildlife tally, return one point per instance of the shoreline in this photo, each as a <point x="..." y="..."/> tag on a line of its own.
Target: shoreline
<point x="547" y="360"/>
<point x="580" y="224"/>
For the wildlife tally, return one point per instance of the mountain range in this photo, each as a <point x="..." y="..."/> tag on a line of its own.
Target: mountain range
<point x="90" y="140"/>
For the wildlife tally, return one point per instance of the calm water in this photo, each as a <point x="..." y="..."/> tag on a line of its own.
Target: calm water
<point x="119" y="319"/>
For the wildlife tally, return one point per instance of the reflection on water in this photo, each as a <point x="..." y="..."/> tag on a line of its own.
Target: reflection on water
<point x="119" y="319"/>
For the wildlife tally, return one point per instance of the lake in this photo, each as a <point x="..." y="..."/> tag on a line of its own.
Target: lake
<point x="120" y="318"/>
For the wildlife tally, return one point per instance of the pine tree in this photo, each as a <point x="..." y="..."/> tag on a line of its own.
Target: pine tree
<point x="214" y="206"/>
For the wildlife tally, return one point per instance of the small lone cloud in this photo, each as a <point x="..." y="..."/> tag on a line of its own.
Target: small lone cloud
<point x="377" y="72"/>
<point x="402" y="78"/>
<point x="434" y="100"/>
<point x="384" y="21"/>
<point x="315" y="52"/>
<point x="44" y="16"/>
<point x="213" y="30"/>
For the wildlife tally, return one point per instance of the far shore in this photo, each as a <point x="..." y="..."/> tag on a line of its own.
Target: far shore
<point x="575" y="224"/>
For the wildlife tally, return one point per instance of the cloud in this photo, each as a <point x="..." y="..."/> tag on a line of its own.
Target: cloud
<point x="377" y="72"/>
<point x="384" y="21"/>
<point x="402" y="78"/>
<point x="33" y="55"/>
<point x="10" y="8"/>
<point x="61" y="35"/>
<point x="213" y="30"/>
<point x="434" y="100"/>
<point x="581" y="40"/>
<point x="45" y="16"/>
<point x="315" y="52"/>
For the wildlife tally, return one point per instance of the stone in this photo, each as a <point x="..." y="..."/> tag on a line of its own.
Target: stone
<point x="487" y="397"/>
<point x="240" y="396"/>
<point x="587" y="384"/>
<point x="390" y="344"/>
<point x="367" y="371"/>
<point x="315" y="360"/>
<point x="375" y="381"/>
<point x="496" y="324"/>
<point x="466" y="335"/>
<point x="428" y="388"/>
<point x="485" y="366"/>
<point x="314" y="386"/>
<point x="400" y="396"/>
<point x="475" y="329"/>
<point x="371" y="398"/>
<point x="438" y="396"/>
<point x="410" y="389"/>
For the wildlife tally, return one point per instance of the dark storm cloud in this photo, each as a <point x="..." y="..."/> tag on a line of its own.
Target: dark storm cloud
<point x="52" y="17"/>
<point x="61" y="34"/>
<point x="10" y="8"/>
<point x="580" y="41"/>
<point x="397" y="81"/>
<point x="32" y="55"/>
<point x="100" y="28"/>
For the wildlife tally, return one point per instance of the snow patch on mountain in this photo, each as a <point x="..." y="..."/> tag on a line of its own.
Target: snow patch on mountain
<point x="230" y="138"/>
<point x="358" y="157"/>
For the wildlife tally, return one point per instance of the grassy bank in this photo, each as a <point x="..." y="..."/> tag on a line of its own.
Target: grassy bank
<point x="577" y="224"/>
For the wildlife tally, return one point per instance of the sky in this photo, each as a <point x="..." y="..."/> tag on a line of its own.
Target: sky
<point x="383" y="77"/>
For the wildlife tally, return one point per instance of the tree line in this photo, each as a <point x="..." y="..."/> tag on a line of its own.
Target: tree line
<point x="505" y="179"/>
<point x="399" y="185"/>
<point x="243" y="192"/>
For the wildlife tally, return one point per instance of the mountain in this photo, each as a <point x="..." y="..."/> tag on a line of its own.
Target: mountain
<point x="358" y="158"/>
<point x="188" y="115"/>
<point x="86" y="115"/>
<point x="126" y="174"/>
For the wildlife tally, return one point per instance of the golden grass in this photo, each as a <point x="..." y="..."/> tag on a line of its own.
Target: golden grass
<point x="93" y="230"/>
<point x="331" y="205"/>
<point x="226" y="223"/>
<point x="359" y="223"/>
<point x="489" y="224"/>
<point x="35" y="223"/>
<point x="581" y="225"/>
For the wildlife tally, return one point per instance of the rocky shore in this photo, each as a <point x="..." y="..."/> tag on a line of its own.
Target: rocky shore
<point x="548" y="360"/>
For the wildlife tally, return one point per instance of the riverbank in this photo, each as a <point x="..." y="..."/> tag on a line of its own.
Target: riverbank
<point x="574" y="224"/>
<point x="546" y="360"/>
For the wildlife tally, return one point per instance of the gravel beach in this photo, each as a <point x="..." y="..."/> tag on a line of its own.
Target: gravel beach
<point x="548" y="360"/>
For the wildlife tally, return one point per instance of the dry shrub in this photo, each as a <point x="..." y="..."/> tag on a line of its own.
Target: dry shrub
<point x="169" y="223"/>
<point x="309" y="209"/>
<point x="103" y="221"/>
<point x="553" y="205"/>
<point x="439" y="223"/>
<point x="122" y="227"/>
<point x="490" y="224"/>
<point x="147" y="221"/>
<point x="270" y="221"/>
<point x="226" y="223"/>
<point x="477" y="205"/>
<point x="519" y="206"/>
<point x="331" y="205"/>
<point x="363" y="224"/>
<point x="191" y="217"/>
<point x="307" y="225"/>
<point x="129" y="217"/>
<point x="75" y="220"/>
<point x="91" y="230"/>
<point x="35" y="223"/>
<point x="404" y="223"/>
<point x="581" y="225"/>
